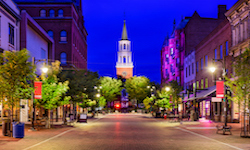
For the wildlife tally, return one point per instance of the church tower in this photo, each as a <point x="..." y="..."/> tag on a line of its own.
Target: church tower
<point x="124" y="64"/>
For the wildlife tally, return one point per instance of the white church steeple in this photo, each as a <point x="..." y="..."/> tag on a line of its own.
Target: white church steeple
<point x="124" y="64"/>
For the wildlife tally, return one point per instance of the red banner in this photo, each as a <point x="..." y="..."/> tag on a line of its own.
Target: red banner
<point x="220" y="89"/>
<point x="38" y="90"/>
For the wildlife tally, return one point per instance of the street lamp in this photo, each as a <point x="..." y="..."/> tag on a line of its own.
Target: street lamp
<point x="98" y="95"/>
<point x="167" y="89"/>
<point x="44" y="70"/>
<point x="152" y="90"/>
<point x="212" y="69"/>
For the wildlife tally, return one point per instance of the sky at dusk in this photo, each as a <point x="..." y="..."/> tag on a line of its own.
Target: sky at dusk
<point x="148" y="23"/>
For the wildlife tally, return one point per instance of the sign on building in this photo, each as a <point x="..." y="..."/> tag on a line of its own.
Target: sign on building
<point x="38" y="89"/>
<point x="220" y="89"/>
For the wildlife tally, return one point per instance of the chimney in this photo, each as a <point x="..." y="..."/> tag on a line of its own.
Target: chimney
<point x="222" y="9"/>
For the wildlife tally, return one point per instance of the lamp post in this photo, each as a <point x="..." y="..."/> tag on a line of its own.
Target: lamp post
<point x="152" y="90"/>
<point x="212" y="69"/>
<point x="44" y="69"/>
<point x="98" y="95"/>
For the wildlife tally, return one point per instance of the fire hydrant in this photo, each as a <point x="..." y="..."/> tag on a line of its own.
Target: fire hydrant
<point x="165" y="116"/>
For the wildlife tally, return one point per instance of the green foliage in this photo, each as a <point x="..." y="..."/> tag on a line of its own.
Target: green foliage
<point x="137" y="87"/>
<point x="102" y="101"/>
<point x="175" y="91"/>
<point x="164" y="99"/>
<point x="240" y="83"/>
<point x="86" y="102"/>
<point x="148" y="102"/>
<point x="111" y="87"/>
<point x="53" y="91"/>
<point x="15" y="75"/>
<point x="80" y="82"/>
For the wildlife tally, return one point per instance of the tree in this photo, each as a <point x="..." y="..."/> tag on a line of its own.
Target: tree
<point x="239" y="84"/>
<point x="111" y="88"/>
<point x="15" y="74"/>
<point x="53" y="91"/>
<point x="164" y="99"/>
<point x="137" y="87"/>
<point x="174" y="92"/>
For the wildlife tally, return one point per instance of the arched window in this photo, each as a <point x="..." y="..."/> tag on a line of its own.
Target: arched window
<point x="124" y="46"/>
<point x="124" y="59"/>
<point x="60" y="13"/>
<point x="63" y="36"/>
<point x="50" y="33"/>
<point x="63" y="58"/>
<point x="42" y="13"/>
<point x="51" y="13"/>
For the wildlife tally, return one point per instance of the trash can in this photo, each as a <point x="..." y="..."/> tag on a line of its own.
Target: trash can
<point x="6" y="127"/>
<point x="18" y="129"/>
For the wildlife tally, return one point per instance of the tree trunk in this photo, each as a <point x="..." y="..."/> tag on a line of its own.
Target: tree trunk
<point x="48" y="120"/>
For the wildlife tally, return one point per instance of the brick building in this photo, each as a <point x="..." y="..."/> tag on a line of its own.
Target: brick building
<point x="182" y="42"/>
<point x="63" y="21"/>
<point x="215" y="46"/>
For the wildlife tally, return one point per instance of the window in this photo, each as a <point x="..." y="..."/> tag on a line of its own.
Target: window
<point x="178" y="79"/>
<point x="60" y="13"/>
<point x="215" y="54"/>
<point x="50" y="33"/>
<point x="177" y="62"/>
<point x="226" y="48"/>
<point x="221" y="52"/>
<point x="124" y="46"/>
<point x="171" y="51"/>
<point x="189" y="71"/>
<point x="197" y="84"/>
<point x="177" y="44"/>
<point x="63" y="58"/>
<point x="186" y="71"/>
<point x="202" y="84"/>
<point x="51" y="13"/>
<point x="201" y="63"/>
<point x="43" y="54"/>
<point x="42" y="13"/>
<point x="192" y="68"/>
<point x="0" y="26"/>
<point x="11" y="34"/>
<point x="206" y="58"/>
<point x="124" y="59"/>
<point x="63" y="35"/>
<point x="206" y="83"/>
<point x="197" y="66"/>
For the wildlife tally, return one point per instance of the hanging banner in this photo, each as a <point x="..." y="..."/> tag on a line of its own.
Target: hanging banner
<point x="220" y="89"/>
<point x="38" y="90"/>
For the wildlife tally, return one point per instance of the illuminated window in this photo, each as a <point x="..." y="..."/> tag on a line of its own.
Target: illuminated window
<point x="197" y="84"/>
<point x="42" y="13"/>
<point x="60" y="13"/>
<point x="206" y="83"/>
<point x="63" y="58"/>
<point x="63" y="35"/>
<point x="50" y="33"/>
<point x="202" y="83"/>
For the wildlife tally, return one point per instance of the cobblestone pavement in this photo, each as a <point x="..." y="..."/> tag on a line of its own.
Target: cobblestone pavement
<point x="129" y="132"/>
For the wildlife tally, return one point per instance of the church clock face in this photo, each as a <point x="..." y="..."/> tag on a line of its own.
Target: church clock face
<point x="124" y="73"/>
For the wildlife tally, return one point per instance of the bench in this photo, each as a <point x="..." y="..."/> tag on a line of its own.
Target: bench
<point x="40" y="122"/>
<point x="224" y="129"/>
<point x="69" y="121"/>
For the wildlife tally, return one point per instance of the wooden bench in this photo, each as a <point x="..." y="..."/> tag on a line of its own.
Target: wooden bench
<point x="224" y="129"/>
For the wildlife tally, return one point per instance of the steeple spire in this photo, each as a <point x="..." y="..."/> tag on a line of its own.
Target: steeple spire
<point x="124" y="32"/>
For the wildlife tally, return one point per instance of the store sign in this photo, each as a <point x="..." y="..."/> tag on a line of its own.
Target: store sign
<point x="215" y="99"/>
<point x="220" y="89"/>
<point x="38" y="90"/>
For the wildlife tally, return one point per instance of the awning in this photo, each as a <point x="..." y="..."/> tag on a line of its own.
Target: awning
<point x="201" y="94"/>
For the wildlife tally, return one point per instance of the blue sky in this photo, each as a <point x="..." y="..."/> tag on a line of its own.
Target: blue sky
<point x="148" y="23"/>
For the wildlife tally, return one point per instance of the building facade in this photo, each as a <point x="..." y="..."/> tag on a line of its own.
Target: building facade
<point x="182" y="42"/>
<point x="9" y="26"/>
<point x="63" y="21"/>
<point x="124" y="64"/>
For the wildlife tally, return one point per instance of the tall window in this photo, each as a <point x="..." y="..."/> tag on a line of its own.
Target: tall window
<point x="206" y="59"/>
<point x="124" y="46"/>
<point x="171" y="51"/>
<point x="11" y="34"/>
<point x="221" y="52"/>
<point x="177" y="62"/>
<point x="192" y="68"/>
<point x="42" y="13"/>
<point x="201" y="63"/>
<point x="60" y="13"/>
<point x="197" y="85"/>
<point x="189" y="70"/>
<point x="202" y="84"/>
<point x="63" y="58"/>
<point x="206" y="83"/>
<point x="124" y="59"/>
<point x="50" y="33"/>
<point x="63" y="35"/>
<point x="226" y="48"/>
<point x="215" y="54"/>
<point x="186" y="71"/>
<point x="51" y="13"/>
<point x="178" y="79"/>
<point x="43" y="54"/>
<point x="197" y="66"/>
